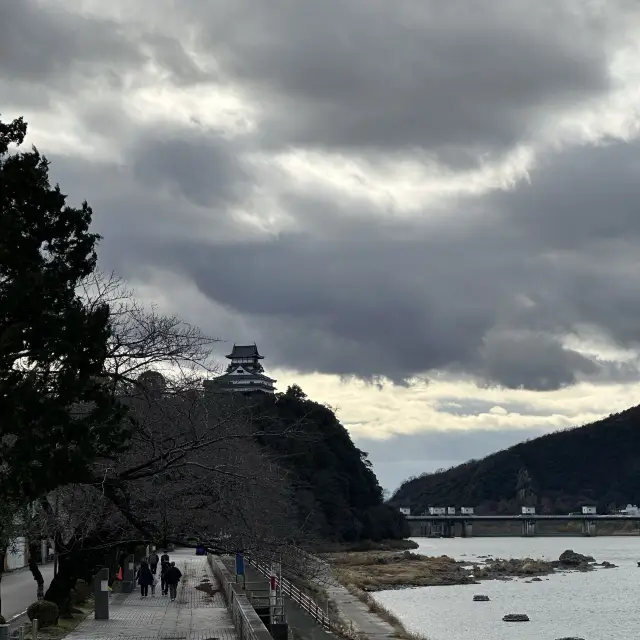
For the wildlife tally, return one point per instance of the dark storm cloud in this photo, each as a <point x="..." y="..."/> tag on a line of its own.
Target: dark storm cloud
<point x="378" y="75"/>
<point x="200" y="164"/>
<point x="532" y="361"/>
<point x="485" y="286"/>
<point x="373" y="305"/>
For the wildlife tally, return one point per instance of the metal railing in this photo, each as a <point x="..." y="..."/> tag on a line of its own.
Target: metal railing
<point x="305" y="602"/>
<point x="246" y="621"/>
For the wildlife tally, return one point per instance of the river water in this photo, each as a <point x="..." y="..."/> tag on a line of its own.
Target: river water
<point x="599" y="605"/>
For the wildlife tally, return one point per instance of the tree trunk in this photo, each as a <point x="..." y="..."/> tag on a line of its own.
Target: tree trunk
<point x="80" y="560"/>
<point x="2" y="554"/>
<point x="35" y="570"/>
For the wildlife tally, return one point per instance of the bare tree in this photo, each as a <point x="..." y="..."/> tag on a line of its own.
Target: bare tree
<point x="192" y="470"/>
<point x="142" y="339"/>
<point x="193" y="473"/>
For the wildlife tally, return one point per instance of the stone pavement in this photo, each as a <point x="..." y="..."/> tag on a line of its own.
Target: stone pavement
<point x="194" y="615"/>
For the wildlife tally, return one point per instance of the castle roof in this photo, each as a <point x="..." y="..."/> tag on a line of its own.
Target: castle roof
<point x="245" y="351"/>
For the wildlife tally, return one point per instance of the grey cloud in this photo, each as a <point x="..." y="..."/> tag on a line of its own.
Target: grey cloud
<point x="170" y="54"/>
<point x="363" y="301"/>
<point x="578" y="196"/>
<point x="358" y="291"/>
<point x="581" y="210"/>
<point x="532" y="361"/>
<point x="402" y="456"/>
<point x="378" y="75"/>
<point x="202" y="165"/>
<point x="40" y="42"/>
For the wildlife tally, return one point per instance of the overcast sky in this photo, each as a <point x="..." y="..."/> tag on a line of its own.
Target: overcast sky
<point x="426" y="213"/>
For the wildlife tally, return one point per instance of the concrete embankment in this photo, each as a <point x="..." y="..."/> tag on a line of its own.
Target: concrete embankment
<point x="352" y="617"/>
<point x="358" y="613"/>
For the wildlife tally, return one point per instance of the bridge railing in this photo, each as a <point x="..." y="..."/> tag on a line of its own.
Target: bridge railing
<point x="305" y="602"/>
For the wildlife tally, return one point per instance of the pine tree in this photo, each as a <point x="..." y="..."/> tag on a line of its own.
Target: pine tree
<point x="55" y="415"/>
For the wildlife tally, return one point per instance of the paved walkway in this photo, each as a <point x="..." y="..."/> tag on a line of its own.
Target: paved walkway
<point x="351" y="609"/>
<point x="194" y="615"/>
<point x="358" y="614"/>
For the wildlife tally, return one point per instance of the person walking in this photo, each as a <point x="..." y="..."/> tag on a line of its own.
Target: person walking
<point x="164" y="557"/>
<point x="172" y="577"/>
<point x="164" y="566"/>
<point x="144" y="577"/>
<point x="154" y="584"/>
<point x="153" y="562"/>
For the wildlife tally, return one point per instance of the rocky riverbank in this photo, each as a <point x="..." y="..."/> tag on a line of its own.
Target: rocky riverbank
<point x="377" y="571"/>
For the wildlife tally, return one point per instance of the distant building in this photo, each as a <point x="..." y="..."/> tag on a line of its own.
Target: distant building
<point x="630" y="510"/>
<point x="466" y="511"/>
<point x="588" y="511"/>
<point x="244" y="374"/>
<point x="437" y="511"/>
<point x="451" y="511"/>
<point x="405" y="511"/>
<point x="528" y="511"/>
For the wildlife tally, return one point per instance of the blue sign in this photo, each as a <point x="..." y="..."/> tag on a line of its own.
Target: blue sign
<point x="239" y="564"/>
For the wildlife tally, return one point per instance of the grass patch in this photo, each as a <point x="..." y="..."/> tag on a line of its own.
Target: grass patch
<point x="380" y="570"/>
<point x="368" y="545"/>
<point x="64" y="626"/>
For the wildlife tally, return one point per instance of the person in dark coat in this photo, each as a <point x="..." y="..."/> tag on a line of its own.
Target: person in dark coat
<point x="144" y="577"/>
<point x="154" y="558"/>
<point x="164" y="567"/>
<point x="172" y="577"/>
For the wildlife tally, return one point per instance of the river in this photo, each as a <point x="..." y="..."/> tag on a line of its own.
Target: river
<point x="598" y="605"/>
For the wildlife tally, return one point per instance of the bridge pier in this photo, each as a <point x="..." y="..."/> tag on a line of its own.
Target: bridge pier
<point x="529" y="528"/>
<point x="449" y="529"/>
<point x="588" y="528"/>
<point x="467" y="529"/>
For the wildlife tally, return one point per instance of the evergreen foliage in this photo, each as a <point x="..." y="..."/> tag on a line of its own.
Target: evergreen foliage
<point x="596" y="464"/>
<point x="337" y="492"/>
<point x="55" y="415"/>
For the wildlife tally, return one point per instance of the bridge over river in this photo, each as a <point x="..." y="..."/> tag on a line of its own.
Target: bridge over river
<point x="438" y="526"/>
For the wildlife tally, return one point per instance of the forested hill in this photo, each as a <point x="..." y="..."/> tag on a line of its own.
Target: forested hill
<point x="595" y="464"/>
<point x="336" y="490"/>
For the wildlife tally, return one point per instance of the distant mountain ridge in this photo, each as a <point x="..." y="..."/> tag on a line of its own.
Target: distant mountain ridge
<point x="596" y="464"/>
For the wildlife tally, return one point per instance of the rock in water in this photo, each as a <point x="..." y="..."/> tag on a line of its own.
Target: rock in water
<point x="573" y="559"/>
<point x="516" y="617"/>
<point x="571" y="638"/>
<point x="480" y="598"/>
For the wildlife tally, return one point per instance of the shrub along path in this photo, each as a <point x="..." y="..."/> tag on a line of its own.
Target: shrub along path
<point x="195" y="615"/>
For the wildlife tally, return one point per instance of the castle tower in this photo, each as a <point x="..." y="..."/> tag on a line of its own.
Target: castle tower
<point x="245" y="373"/>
